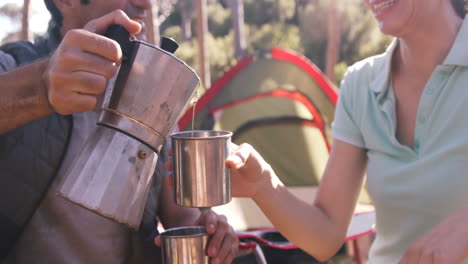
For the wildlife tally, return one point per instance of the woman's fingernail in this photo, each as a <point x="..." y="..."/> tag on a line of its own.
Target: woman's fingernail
<point x="236" y="160"/>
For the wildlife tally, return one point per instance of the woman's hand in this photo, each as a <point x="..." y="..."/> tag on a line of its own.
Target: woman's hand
<point x="249" y="171"/>
<point x="447" y="243"/>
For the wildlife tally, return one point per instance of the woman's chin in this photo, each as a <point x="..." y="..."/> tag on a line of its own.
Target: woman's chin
<point x="390" y="28"/>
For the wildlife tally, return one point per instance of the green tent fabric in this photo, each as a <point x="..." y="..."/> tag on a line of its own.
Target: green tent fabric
<point x="281" y="104"/>
<point x="284" y="132"/>
<point x="295" y="167"/>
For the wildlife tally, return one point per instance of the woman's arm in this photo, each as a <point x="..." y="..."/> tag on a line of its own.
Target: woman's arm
<point x="319" y="229"/>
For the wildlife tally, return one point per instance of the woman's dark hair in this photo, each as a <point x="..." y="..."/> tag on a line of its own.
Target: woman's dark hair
<point x="55" y="12"/>
<point x="459" y="6"/>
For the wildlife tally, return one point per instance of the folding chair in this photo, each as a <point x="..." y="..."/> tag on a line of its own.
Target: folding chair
<point x="262" y="242"/>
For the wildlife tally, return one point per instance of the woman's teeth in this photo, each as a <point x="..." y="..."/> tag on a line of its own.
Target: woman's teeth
<point x="381" y="5"/>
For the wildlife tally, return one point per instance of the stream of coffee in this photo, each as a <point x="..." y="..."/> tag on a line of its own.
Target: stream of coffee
<point x="194" y="102"/>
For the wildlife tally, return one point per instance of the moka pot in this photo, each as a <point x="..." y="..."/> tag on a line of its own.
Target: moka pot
<point x="141" y="106"/>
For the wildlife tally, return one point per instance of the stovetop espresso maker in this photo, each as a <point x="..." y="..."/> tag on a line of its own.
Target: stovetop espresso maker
<point x="142" y="103"/>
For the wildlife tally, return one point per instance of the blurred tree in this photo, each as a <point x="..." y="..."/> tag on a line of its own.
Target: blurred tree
<point x="237" y="7"/>
<point x="13" y="12"/>
<point x="313" y="31"/>
<point x="260" y="12"/>
<point x="10" y="10"/>
<point x="280" y="35"/>
<point x="160" y="10"/>
<point x="298" y="25"/>
<point x="202" y="34"/>
<point x="26" y="12"/>
<point x="219" y="18"/>
<point x="164" y="8"/>
<point x="152" y="24"/>
<point x="333" y="40"/>
<point x="360" y="36"/>
<point x="186" y="8"/>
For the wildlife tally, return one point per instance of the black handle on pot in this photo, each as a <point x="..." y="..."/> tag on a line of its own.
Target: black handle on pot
<point x="169" y="44"/>
<point x="122" y="36"/>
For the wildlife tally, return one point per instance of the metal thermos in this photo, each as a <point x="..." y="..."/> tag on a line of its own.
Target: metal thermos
<point x="113" y="173"/>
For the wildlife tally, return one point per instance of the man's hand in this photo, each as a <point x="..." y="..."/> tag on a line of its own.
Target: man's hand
<point x="79" y="69"/>
<point x="223" y="244"/>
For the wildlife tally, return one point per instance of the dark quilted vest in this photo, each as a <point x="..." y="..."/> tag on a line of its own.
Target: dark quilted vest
<point x="30" y="156"/>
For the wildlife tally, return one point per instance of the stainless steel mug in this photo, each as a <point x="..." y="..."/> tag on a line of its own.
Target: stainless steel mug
<point x="201" y="178"/>
<point x="184" y="245"/>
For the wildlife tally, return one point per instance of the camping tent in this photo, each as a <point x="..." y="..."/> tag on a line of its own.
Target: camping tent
<point x="281" y="104"/>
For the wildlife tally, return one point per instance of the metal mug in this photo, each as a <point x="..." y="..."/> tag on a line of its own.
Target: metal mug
<point x="201" y="178"/>
<point x="185" y="245"/>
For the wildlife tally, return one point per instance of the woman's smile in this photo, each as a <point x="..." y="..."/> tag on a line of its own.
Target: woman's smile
<point x="379" y="7"/>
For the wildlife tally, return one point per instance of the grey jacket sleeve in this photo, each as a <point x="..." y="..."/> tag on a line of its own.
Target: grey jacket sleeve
<point x="7" y="62"/>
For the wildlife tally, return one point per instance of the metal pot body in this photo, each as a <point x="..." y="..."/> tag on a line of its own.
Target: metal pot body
<point x="201" y="178"/>
<point x="111" y="176"/>
<point x="151" y="92"/>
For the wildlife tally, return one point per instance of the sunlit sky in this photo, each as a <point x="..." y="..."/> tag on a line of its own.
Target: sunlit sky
<point x="39" y="18"/>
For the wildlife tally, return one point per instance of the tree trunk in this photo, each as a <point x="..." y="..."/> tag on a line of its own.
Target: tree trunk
<point x="333" y="43"/>
<point x="25" y="32"/>
<point x="202" y="32"/>
<point x="186" y="10"/>
<point x="152" y="24"/>
<point x="237" y="7"/>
